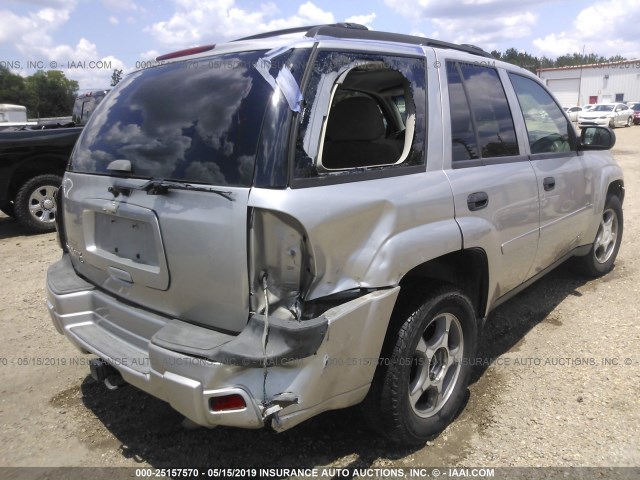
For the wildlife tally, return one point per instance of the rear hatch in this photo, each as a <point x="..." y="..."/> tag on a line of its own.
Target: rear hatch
<point x="155" y="206"/>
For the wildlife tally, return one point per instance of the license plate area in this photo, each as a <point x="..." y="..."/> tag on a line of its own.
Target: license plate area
<point x="124" y="238"/>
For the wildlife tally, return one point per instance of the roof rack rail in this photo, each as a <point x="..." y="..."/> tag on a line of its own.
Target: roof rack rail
<point x="306" y="30"/>
<point x="336" y="31"/>
<point x="360" y="32"/>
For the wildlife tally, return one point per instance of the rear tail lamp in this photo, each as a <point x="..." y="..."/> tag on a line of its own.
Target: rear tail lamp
<point x="226" y="403"/>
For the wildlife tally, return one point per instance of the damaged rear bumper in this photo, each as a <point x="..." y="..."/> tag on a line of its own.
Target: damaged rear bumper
<point x="315" y="365"/>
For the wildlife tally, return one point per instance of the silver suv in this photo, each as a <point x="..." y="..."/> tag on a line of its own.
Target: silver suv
<point x="310" y="219"/>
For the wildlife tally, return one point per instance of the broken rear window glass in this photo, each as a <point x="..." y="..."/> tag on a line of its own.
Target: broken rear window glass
<point x="352" y="121"/>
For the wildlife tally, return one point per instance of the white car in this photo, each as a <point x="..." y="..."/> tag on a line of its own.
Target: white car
<point x="572" y="112"/>
<point x="606" y="114"/>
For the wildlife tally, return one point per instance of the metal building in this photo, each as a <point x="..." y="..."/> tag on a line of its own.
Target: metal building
<point x="596" y="83"/>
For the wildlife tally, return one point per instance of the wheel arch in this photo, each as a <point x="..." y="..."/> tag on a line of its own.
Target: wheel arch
<point x="467" y="270"/>
<point x="30" y="167"/>
<point x="616" y="188"/>
<point x="429" y="282"/>
<point x="610" y="182"/>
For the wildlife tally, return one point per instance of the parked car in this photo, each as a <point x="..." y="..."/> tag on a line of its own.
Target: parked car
<point x="33" y="158"/>
<point x="277" y="230"/>
<point x="572" y="113"/>
<point x="636" y="112"/>
<point x="607" y="114"/>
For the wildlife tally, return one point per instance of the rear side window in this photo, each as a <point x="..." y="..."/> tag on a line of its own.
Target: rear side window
<point x="481" y="121"/>
<point x="548" y="129"/>
<point x="196" y="121"/>
<point x="362" y="112"/>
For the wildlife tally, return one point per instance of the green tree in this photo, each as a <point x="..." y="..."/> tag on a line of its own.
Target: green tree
<point x="532" y="63"/>
<point x="522" y="59"/>
<point x="575" y="59"/>
<point x="13" y="88"/>
<point x="52" y="94"/>
<point x="116" y="77"/>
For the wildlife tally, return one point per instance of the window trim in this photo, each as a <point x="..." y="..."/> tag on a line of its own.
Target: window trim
<point x="489" y="161"/>
<point x="358" y="175"/>
<point x="551" y="155"/>
<point x="473" y="115"/>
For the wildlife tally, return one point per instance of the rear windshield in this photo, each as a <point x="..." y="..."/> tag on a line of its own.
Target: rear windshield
<point x="196" y="121"/>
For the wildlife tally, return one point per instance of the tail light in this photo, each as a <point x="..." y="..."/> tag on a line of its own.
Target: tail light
<point x="280" y="264"/>
<point x="227" y="402"/>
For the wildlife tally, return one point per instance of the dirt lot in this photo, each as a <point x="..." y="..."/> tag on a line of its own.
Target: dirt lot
<point x="563" y="388"/>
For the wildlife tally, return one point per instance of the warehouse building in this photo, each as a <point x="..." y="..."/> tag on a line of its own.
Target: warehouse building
<point x="597" y="83"/>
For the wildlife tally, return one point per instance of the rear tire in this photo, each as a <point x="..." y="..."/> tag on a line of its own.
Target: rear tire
<point x="421" y="384"/>
<point x="35" y="204"/>
<point x="629" y="122"/>
<point x="604" y="250"/>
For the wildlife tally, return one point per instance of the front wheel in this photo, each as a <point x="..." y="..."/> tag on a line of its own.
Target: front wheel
<point x="629" y="122"/>
<point x="425" y="377"/>
<point x="604" y="250"/>
<point x="35" y="203"/>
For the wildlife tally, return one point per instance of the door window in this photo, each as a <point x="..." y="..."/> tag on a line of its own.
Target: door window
<point x="548" y="129"/>
<point x="481" y="122"/>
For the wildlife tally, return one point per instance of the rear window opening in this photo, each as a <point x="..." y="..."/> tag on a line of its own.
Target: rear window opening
<point x="367" y="129"/>
<point x="363" y="112"/>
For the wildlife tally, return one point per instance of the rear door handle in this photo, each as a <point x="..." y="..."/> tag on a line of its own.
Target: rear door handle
<point x="549" y="183"/>
<point x="477" y="201"/>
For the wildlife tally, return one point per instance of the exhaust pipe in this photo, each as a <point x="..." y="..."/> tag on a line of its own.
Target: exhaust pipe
<point x="101" y="371"/>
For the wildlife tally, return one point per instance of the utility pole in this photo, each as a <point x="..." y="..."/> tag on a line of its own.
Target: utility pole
<point x="579" y="104"/>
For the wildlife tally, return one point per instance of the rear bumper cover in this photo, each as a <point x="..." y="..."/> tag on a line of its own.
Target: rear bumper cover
<point x="324" y="363"/>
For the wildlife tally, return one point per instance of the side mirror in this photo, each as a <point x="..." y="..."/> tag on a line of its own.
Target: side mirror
<point x="597" y="138"/>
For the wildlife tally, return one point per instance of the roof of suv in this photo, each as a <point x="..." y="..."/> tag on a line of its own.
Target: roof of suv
<point x="351" y="31"/>
<point x="360" y="32"/>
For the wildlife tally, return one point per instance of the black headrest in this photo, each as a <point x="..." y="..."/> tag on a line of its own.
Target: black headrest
<point x="355" y="119"/>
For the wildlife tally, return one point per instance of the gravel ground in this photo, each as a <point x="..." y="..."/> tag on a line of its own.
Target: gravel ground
<point x="557" y="384"/>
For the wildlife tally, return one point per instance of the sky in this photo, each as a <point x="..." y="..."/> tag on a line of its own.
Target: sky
<point x="87" y="39"/>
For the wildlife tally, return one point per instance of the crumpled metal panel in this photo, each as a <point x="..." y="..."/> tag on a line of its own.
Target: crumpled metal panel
<point x="369" y="234"/>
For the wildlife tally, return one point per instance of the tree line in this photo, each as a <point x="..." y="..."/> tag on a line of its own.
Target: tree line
<point x="532" y="63"/>
<point x="45" y="93"/>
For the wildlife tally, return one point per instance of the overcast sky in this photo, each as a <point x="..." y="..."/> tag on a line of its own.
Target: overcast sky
<point x="121" y="33"/>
